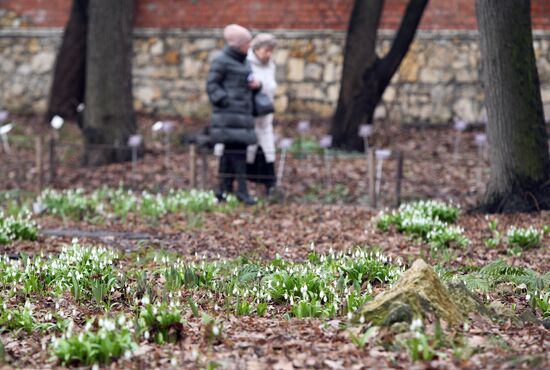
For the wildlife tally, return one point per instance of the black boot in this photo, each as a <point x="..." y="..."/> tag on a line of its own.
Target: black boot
<point x="225" y="179"/>
<point x="242" y="192"/>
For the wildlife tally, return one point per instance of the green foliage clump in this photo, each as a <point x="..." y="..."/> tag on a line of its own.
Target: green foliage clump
<point x="489" y="277"/>
<point x="428" y="220"/>
<point x="161" y="322"/>
<point x="113" y="339"/>
<point x="524" y="237"/>
<point x="85" y="272"/>
<point x="119" y="203"/>
<point x="18" y="227"/>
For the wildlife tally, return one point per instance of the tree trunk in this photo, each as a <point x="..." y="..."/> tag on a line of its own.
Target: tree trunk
<point x="109" y="118"/>
<point x="359" y="55"/>
<point x="520" y="164"/>
<point x="67" y="89"/>
<point x="370" y="75"/>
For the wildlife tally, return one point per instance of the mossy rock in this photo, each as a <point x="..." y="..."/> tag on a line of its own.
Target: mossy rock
<point x="417" y="292"/>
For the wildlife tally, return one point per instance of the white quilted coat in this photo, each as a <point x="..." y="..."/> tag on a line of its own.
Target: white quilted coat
<point x="264" y="124"/>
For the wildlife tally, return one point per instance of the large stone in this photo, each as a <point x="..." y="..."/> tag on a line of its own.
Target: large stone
<point x="465" y="109"/>
<point x="157" y="48"/>
<point x="281" y="103"/>
<point x="205" y="44"/>
<point x="313" y="71"/>
<point x="172" y="58"/>
<point x="389" y="94"/>
<point x="281" y="56"/>
<point x="430" y="75"/>
<point x="43" y="62"/>
<point x="329" y="74"/>
<point x="304" y="90"/>
<point x="191" y="67"/>
<point x="417" y="292"/>
<point x="466" y="75"/>
<point x="146" y="94"/>
<point x="333" y="91"/>
<point x="295" y="69"/>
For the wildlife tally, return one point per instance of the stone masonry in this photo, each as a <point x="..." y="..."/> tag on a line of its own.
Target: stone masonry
<point x="437" y="81"/>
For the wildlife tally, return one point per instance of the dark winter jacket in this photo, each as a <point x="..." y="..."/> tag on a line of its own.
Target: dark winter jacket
<point x="231" y="97"/>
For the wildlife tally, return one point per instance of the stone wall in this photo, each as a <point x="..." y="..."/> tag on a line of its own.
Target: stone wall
<point x="438" y="80"/>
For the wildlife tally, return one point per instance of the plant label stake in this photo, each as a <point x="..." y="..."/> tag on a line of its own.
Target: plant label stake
<point x="56" y="123"/>
<point x="366" y="130"/>
<point x="3" y="115"/>
<point x="459" y="125"/>
<point x="326" y="143"/>
<point x="380" y="155"/>
<point x="284" y="144"/>
<point x="4" y="134"/>
<point x="480" y="140"/>
<point x="165" y="127"/>
<point x="303" y="129"/>
<point x="134" y="142"/>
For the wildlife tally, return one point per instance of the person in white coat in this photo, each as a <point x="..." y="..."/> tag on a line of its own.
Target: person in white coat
<point x="261" y="157"/>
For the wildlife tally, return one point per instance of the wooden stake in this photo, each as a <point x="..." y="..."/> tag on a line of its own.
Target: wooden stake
<point x="204" y="168"/>
<point x="39" y="164"/>
<point x="398" y="179"/>
<point x="193" y="169"/>
<point x="51" y="160"/>
<point x="372" y="177"/>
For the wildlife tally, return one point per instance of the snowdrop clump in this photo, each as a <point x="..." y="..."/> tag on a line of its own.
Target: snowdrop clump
<point x="524" y="237"/>
<point x="19" y="227"/>
<point x="429" y="220"/>
<point x="119" y="203"/>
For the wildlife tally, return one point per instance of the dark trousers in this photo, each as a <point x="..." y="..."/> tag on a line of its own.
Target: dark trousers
<point x="233" y="166"/>
<point x="261" y="171"/>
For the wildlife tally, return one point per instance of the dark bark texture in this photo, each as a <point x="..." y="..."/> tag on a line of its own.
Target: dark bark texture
<point x="520" y="164"/>
<point x="109" y="117"/>
<point x="359" y="55"/>
<point x="68" y="84"/>
<point x="365" y="76"/>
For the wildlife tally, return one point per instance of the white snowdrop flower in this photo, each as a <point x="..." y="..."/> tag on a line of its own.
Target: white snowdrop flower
<point x="121" y="320"/>
<point x="146" y="335"/>
<point x="173" y="361"/>
<point x="95" y="367"/>
<point x="127" y="355"/>
<point x="466" y="326"/>
<point x="215" y="330"/>
<point x="416" y="324"/>
<point x="88" y="326"/>
<point x="145" y="300"/>
<point x="362" y="319"/>
<point x="350" y="315"/>
<point x="528" y="297"/>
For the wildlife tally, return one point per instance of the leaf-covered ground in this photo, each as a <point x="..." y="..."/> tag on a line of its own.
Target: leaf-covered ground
<point x="335" y="219"/>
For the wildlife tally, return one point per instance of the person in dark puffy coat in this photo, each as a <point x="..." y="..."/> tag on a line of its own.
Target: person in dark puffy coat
<point x="230" y="86"/>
